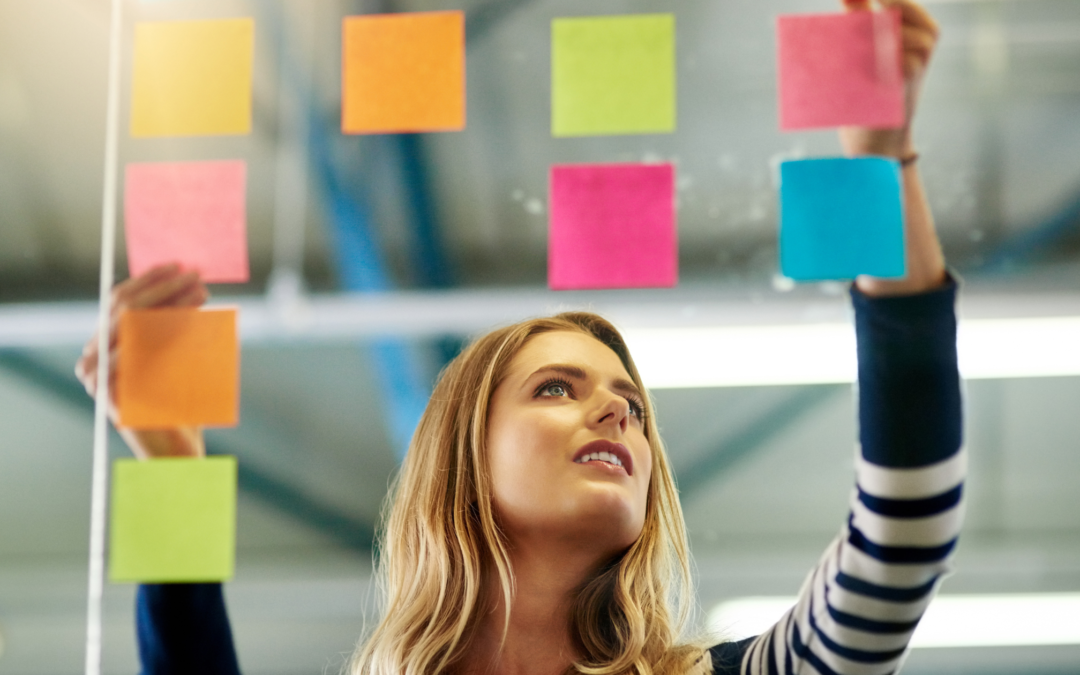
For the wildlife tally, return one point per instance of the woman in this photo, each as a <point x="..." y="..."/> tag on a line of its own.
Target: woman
<point x="535" y="527"/>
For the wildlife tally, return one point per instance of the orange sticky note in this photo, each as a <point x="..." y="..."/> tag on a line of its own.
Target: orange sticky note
<point x="178" y="367"/>
<point x="403" y="73"/>
<point x="192" y="78"/>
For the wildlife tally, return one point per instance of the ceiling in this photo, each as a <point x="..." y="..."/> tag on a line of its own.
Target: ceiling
<point x="766" y="471"/>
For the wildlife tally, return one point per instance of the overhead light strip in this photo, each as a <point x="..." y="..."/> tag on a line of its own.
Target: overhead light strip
<point x="952" y="621"/>
<point x="757" y="350"/>
<point x="739" y="356"/>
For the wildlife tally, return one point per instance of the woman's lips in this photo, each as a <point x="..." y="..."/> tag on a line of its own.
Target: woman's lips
<point x="603" y="450"/>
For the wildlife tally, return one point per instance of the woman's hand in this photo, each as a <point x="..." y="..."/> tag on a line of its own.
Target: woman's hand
<point x="164" y="286"/>
<point x="919" y="38"/>
<point x="924" y="257"/>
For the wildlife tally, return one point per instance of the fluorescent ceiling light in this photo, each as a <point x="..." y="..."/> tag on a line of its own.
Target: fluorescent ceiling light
<point x="681" y="342"/>
<point x="736" y="356"/>
<point x="824" y="353"/>
<point x="1004" y="620"/>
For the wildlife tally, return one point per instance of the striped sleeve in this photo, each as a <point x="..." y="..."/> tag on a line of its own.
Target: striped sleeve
<point x="858" y="608"/>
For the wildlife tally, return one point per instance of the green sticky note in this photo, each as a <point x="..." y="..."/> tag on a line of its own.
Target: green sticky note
<point x="173" y="520"/>
<point x="613" y="75"/>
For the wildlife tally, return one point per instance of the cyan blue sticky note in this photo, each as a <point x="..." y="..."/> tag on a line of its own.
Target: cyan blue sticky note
<point x="840" y="218"/>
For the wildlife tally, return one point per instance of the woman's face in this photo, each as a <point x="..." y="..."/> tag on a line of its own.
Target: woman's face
<point x="567" y="448"/>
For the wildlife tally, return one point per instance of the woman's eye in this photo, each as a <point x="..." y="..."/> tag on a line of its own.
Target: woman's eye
<point x="554" y="389"/>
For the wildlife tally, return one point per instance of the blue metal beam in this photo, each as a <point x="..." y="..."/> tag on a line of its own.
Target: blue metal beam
<point x="1020" y="248"/>
<point x="358" y="256"/>
<point x="430" y="262"/>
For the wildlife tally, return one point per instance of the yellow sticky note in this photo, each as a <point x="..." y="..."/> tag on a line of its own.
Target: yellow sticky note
<point x="192" y="78"/>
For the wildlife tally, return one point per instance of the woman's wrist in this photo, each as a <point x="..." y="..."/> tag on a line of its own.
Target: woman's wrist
<point x="913" y="284"/>
<point x="158" y="443"/>
<point x="925" y="260"/>
<point x="860" y="142"/>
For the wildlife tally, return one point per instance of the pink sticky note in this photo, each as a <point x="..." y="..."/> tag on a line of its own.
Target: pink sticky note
<point x="192" y="213"/>
<point x="612" y="226"/>
<point x="840" y="69"/>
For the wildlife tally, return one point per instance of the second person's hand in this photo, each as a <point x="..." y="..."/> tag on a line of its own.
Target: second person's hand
<point x="161" y="287"/>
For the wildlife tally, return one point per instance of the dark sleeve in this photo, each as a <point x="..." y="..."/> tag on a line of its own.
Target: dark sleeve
<point x="909" y="386"/>
<point x="184" y="629"/>
<point x="860" y="605"/>
<point x="727" y="656"/>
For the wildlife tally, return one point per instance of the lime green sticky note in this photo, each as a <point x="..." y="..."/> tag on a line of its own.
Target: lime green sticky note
<point x="173" y="520"/>
<point x="613" y="75"/>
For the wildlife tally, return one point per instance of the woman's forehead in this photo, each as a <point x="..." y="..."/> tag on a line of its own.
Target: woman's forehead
<point x="567" y="348"/>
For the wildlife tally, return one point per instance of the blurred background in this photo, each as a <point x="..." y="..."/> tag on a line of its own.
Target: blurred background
<point x="373" y="258"/>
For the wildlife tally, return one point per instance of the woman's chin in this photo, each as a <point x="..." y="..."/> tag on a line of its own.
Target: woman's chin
<point x="597" y="513"/>
<point x="607" y="514"/>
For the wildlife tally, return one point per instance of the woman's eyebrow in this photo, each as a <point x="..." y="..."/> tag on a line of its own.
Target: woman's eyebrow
<point x="563" y="369"/>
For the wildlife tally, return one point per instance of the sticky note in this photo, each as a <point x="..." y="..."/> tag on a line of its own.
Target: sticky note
<point x="178" y="367"/>
<point x="612" y="226"/>
<point x="840" y="218"/>
<point x="192" y="78"/>
<point x="613" y="75"/>
<point x="403" y="73"/>
<point x="191" y="213"/>
<point x="173" y="520"/>
<point x="840" y="69"/>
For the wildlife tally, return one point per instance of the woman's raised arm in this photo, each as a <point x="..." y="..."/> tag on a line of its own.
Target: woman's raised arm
<point x="925" y="260"/>
<point x="182" y="628"/>
<point x="859" y="607"/>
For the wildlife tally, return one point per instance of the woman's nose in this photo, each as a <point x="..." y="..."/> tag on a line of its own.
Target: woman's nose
<point x="615" y="410"/>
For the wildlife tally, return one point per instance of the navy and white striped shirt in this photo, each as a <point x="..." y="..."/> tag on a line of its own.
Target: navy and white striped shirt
<point x="858" y="608"/>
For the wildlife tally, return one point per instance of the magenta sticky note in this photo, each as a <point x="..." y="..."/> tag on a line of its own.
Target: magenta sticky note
<point x="191" y="213"/>
<point x="841" y="69"/>
<point x="612" y="226"/>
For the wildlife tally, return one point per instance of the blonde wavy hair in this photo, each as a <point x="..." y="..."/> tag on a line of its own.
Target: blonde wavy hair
<point x="440" y="541"/>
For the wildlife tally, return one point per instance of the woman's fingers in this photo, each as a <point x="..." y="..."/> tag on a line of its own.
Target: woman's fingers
<point x="192" y="297"/>
<point x="913" y="14"/>
<point x="130" y="293"/>
<point x="158" y="293"/>
<point x="86" y="370"/>
<point x="856" y="5"/>
<point x="918" y="47"/>
<point x="160" y="287"/>
<point x="150" y="277"/>
<point x="920" y="31"/>
<point x="919" y="40"/>
<point x="86" y="366"/>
